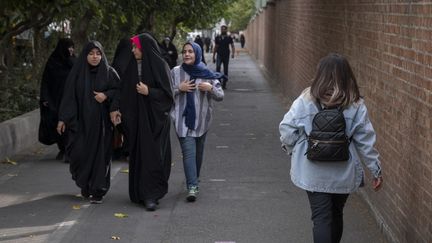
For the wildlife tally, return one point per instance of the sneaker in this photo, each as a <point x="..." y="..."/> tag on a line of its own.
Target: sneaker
<point x="192" y="194"/>
<point x="96" y="200"/>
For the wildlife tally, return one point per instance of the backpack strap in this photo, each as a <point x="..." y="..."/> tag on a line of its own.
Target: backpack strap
<point x="318" y="105"/>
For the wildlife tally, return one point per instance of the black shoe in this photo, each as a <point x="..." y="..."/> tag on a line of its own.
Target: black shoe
<point x="60" y="155"/>
<point x="150" y="205"/>
<point x="96" y="200"/>
<point x="85" y="193"/>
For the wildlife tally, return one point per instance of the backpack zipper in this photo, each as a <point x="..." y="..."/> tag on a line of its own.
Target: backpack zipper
<point x="316" y="142"/>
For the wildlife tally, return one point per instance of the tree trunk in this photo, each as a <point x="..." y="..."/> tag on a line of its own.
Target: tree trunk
<point x="147" y="23"/>
<point x="80" y="28"/>
<point x="173" y="30"/>
<point x="5" y="62"/>
<point x="40" y="55"/>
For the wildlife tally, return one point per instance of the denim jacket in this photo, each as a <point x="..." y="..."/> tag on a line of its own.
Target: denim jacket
<point x="329" y="177"/>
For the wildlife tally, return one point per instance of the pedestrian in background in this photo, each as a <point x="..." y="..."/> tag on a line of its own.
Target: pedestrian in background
<point x="222" y="49"/>
<point x="85" y="114"/>
<point x="328" y="184"/>
<point x="200" y="42"/>
<point x="145" y="111"/>
<point x="169" y="51"/>
<point x="207" y="42"/>
<point x="195" y="88"/>
<point x="123" y="59"/>
<point x="242" y="40"/>
<point x="54" y="77"/>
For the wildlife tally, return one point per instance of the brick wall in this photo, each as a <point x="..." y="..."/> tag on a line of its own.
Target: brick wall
<point x="389" y="45"/>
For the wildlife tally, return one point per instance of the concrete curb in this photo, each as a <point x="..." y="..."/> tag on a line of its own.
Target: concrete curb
<point x="19" y="133"/>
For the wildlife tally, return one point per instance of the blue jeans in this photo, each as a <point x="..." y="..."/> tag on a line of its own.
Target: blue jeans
<point x="193" y="153"/>
<point x="327" y="216"/>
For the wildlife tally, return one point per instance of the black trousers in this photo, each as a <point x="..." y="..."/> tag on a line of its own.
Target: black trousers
<point x="327" y="216"/>
<point x="225" y="61"/>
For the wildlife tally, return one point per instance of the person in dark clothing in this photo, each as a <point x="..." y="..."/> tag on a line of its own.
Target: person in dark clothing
<point x="242" y="40"/>
<point x="84" y="113"/>
<point x="169" y="52"/>
<point x="207" y="42"/>
<point x="123" y="58"/>
<point x="145" y="103"/>
<point x="222" y="48"/>
<point x="56" y="71"/>
<point x="200" y="42"/>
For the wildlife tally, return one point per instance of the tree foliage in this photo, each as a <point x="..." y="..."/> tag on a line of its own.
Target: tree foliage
<point x="105" y="20"/>
<point x="239" y="14"/>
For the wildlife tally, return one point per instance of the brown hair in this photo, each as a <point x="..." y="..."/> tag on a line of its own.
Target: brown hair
<point x="334" y="82"/>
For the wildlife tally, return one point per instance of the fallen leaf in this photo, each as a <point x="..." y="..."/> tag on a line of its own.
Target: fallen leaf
<point x="121" y="215"/>
<point x="125" y="171"/>
<point x="115" y="237"/>
<point x="39" y="151"/>
<point x="8" y="161"/>
<point x="76" y="207"/>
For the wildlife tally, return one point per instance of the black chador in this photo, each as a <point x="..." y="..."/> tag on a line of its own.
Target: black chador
<point x="147" y="123"/>
<point x="88" y="122"/>
<point x="54" y="77"/>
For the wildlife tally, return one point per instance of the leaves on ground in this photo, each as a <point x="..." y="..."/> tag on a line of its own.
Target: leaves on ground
<point x="9" y="161"/>
<point x="39" y="151"/>
<point x="121" y="215"/>
<point x="76" y="207"/>
<point x="115" y="237"/>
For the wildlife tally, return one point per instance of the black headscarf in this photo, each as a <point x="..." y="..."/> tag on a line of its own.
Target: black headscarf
<point x="61" y="53"/>
<point x="154" y="68"/>
<point x="122" y="56"/>
<point x="79" y="77"/>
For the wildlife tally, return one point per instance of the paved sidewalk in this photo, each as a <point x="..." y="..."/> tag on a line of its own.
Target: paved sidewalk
<point x="246" y="195"/>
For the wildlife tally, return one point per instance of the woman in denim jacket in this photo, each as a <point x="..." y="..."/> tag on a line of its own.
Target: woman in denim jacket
<point x="328" y="184"/>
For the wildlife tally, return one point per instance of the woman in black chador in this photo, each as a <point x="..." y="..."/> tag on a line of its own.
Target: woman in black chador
<point x="85" y="113"/>
<point x="123" y="58"/>
<point x="56" y="71"/>
<point x="169" y="52"/>
<point x="145" y="103"/>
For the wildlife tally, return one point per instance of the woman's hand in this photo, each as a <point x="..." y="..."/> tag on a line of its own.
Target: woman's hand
<point x="187" y="86"/>
<point x="99" y="96"/>
<point x="204" y="86"/>
<point x="115" y="117"/>
<point x="61" y="127"/>
<point x="142" y="88"/>
<point x="377" y="183"/>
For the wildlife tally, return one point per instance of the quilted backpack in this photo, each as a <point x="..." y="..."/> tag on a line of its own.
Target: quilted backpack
<point x="328" y="141"/>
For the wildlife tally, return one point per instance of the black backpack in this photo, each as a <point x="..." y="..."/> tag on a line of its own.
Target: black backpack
<point x="328" y="140"/>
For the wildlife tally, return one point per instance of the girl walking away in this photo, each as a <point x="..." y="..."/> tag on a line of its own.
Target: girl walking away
<point x="329" y="183"/>
<point x="195" y="87"/>
<point x="145" y="104"/>
<point x="85" y="114"/>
